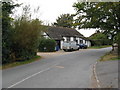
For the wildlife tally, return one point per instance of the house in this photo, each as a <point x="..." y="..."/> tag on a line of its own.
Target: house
<point x="61" y="34"/>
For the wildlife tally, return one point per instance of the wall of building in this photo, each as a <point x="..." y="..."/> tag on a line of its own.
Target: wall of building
<point x="45" y="35"/>
<point x="78" y="40"/>
<point x="65" y="39"/>
<point x="61" y="44"/>
<point x="88" y="43"/>
<point x="71" y="38"/>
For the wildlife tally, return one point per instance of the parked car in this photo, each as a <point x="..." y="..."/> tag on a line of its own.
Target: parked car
<point x="82" y="46"/>
<point x="70" y="46"/>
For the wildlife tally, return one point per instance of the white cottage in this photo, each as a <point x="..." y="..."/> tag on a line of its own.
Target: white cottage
<point x="61" y="34"/>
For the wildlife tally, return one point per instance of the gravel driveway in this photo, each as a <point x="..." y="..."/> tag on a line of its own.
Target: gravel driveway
<point x="52" y="54"/>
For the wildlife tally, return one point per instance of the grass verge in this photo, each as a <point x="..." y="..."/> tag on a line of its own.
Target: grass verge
<point x="14" y="64"/>
<point x="109" y="56"/>
<point x="98" y="47"/>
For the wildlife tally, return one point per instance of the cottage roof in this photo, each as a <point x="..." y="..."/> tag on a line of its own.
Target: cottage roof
<point x="58" y="33"/>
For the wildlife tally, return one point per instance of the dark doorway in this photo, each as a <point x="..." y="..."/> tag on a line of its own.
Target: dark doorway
<point x="58" y="45"/>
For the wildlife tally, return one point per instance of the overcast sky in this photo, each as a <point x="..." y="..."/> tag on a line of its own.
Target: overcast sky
<point x="50" y="10"/>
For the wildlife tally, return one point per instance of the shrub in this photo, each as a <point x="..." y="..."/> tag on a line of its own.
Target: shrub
<point x="20" y="36"/>
<point x="99" y="38"/>
<point x="6" y="20"/>
<point x="25" y="36"/>
<point x="47" y="45"/>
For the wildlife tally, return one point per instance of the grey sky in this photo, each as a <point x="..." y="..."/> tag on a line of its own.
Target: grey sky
<point x="50" y="10"/>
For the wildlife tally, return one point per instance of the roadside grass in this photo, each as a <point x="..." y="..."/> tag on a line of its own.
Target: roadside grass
<point x="98" y="47"/>
<point x="109" y="56"/>
<point x="14" y="64"/>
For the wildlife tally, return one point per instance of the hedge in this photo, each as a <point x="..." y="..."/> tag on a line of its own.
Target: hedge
<point x="46" y="45"/>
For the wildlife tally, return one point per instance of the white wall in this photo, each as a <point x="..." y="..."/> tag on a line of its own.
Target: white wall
<point x="83" y="41"/>
<point x="61" y="42"/>
<point x="71" y="38"/>
<point x="45" y="35"/>
<point x="65" y="39"/>
<point x="78" y="39"/>
<point x="88" y="43"/>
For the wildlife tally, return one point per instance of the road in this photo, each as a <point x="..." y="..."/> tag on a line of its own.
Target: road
<point x="72" y="70"/>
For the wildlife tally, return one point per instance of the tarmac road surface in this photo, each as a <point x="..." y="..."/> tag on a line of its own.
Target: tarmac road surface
<point x="71" y="70"/>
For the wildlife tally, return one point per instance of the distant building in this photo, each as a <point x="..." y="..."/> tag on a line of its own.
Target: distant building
<point x="61" y="34"/>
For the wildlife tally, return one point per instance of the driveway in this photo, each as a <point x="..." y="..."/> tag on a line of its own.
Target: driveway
<point x="69" y="70"/>
<point x="52" y="54"/>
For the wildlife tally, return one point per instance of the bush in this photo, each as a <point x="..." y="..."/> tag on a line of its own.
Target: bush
<point x="47" y="45"/>
<point x="25" y="38"/>
<point x="99" y="39"/>
<point x="101" y="42"/>
<point x="20" y="37"/>
<point x="7" y="8"/>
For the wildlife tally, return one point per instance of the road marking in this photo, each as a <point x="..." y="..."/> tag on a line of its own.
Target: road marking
<point x="94" y="70"/>
<point x="59" y="66"/>
<point x="31" y="76"/>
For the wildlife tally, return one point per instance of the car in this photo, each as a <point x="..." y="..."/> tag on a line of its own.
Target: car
<point x="82" y="46"/>
<point x="70" y="46"/>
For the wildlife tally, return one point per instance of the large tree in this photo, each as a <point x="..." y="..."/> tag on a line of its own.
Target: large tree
<point x="20" y="37"/>
<point x="7" y="8"/>
<point x="25" y="36"/>
<point x="101" y="15"/>
<point x="64" y="20"/>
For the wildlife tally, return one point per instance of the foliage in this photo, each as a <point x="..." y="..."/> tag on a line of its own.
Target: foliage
<point x="7" y="8"/>
<point x="14" y="64"/>
<point x="99" y="47"/>
<point x="101" y="15"/>
<point x="47" y="45"/>
<point x="25" y="38"/>
<point x="64" y="20"/>
<point x="20" y="36"/>
<point x="109" y="56"/>
<point x="98" y="39"/>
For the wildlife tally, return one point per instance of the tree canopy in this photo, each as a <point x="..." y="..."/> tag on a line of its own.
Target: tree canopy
<point x="101" y="15"/>
<point x="7" y="8"/>
<point x="64" y="20"/>
<point x="20" y="37"/>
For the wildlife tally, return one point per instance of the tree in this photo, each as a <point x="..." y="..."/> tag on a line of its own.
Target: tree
<point x="26" y="34"/>
<point x="20" y="37"/>
<point x="64" y="20"/>
<point x="7" y="8"/>
<point x="99" y="39"/>
<point x="101" y="15"/>
<point x="25" y="38"/>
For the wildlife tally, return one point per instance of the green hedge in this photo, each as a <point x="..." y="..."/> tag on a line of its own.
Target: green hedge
<point x="47" y="45"/>
<point x="101" y="42"/>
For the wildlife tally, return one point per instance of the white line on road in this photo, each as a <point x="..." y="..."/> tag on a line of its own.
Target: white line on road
<point x="31" y="76"/>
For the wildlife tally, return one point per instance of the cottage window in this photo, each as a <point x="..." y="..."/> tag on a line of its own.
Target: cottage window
<point x="81" y="41"/>
<point x="77" y="41"/>
<point x="68" y="38"/>
<point x="74" y="39"/>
